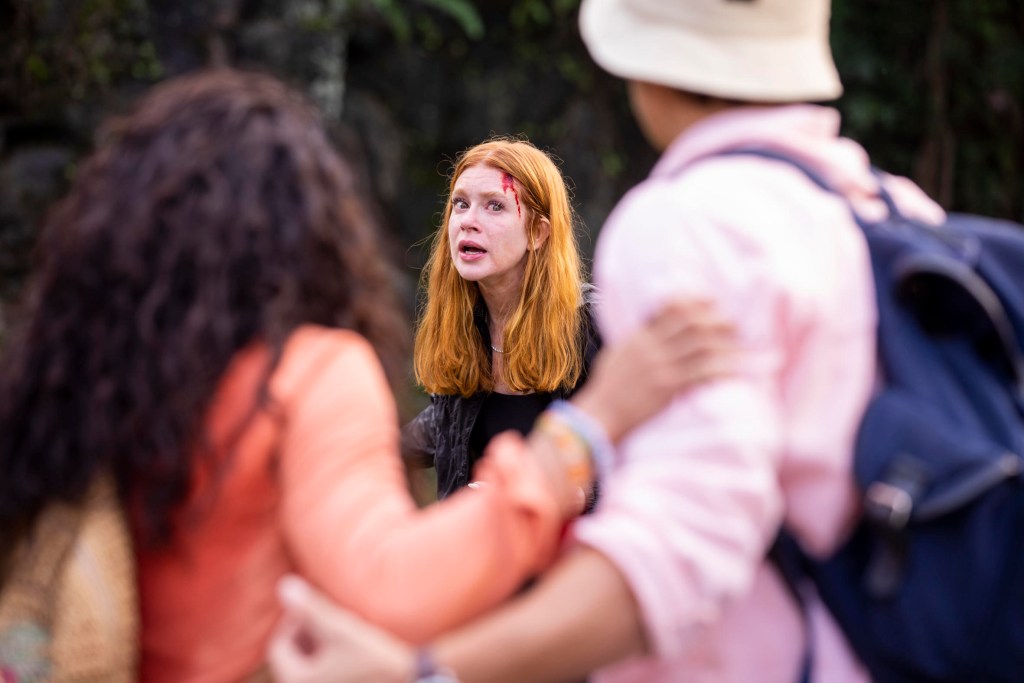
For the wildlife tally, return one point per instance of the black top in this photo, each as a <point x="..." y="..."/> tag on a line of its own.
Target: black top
<point x="501" y="412"/>
<point x="440" y="435"/>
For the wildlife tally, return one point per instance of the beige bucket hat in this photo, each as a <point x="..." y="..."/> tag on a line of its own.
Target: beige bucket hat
<point x="748" y="50"/>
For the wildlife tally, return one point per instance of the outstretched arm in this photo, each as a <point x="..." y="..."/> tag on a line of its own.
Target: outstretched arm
<point x="583" y="614"/>
<point x="353" y="530"/>
<point x="580" y="617"/>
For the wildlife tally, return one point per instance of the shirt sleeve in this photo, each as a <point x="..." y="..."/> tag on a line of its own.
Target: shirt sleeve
<point x="353" y="529"/>
<point x="418" y="443"/>
<point x="693" y="501"/>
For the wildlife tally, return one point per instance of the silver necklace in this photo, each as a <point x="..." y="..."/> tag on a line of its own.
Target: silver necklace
<point x="496" y="349"/>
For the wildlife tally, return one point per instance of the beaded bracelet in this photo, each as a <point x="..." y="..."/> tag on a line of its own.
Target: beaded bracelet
<point x="590" y="431"/>
<point x="573" y="450"/>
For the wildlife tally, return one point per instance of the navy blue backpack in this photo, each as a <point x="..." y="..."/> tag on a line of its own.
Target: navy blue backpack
<point x="931" y="586"/>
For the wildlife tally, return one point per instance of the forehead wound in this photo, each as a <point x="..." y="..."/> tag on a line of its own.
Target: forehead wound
<point x="509" y="183"/>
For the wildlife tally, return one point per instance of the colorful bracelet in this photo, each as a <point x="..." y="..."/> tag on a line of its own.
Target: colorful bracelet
<point x="590" y="431"/>
<point x="573" y="450"/>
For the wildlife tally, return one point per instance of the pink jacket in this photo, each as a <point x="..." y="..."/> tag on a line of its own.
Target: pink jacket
<point x="698" y="493"/>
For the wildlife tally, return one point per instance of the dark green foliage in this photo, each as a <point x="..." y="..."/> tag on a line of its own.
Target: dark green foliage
<point x="60" y="50"/>
<point x="934" y="89"/>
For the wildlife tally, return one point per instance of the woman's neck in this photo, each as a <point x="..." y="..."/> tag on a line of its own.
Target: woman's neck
<point x="499" y="304"/>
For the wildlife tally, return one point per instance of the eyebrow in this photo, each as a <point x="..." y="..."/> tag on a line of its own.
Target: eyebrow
<point x="487" y="194"/>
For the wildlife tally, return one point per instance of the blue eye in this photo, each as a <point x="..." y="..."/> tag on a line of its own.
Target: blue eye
<point x="495" y="206"/>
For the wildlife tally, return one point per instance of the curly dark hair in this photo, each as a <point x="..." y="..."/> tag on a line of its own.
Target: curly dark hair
<point x="216" y="214"/>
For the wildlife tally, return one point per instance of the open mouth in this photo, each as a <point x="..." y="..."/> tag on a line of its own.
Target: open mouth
<point x="471" y="249"/>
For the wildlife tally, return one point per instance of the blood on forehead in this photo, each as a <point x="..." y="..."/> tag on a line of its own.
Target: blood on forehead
<point x="509" y="183"/>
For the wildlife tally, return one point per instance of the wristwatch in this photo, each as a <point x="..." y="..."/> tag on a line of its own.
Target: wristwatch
<point x="429" y="671"/>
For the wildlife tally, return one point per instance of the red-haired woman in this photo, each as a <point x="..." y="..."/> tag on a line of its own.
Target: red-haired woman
<point x="506" y="327"/>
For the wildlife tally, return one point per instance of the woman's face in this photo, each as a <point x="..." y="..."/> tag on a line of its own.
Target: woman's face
<point x="487" y="228"/>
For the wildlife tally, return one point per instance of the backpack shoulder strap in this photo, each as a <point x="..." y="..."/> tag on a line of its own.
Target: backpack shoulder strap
<point x="951" y="256"/>
<point x="814" y="176"/>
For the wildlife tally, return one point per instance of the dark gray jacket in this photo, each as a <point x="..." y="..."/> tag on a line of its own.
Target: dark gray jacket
<point x="439" y="435"/>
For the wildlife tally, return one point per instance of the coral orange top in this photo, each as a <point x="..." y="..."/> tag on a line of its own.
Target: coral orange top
<point x="314" y="484"/>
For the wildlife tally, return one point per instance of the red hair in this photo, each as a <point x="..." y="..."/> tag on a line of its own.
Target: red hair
<point x="542" y="336"/>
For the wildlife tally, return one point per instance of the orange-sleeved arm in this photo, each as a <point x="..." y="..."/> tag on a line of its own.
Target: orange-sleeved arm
<point x="353" y="529"/>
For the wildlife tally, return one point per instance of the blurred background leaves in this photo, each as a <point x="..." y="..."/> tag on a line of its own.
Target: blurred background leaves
<point x="934" y="88"/>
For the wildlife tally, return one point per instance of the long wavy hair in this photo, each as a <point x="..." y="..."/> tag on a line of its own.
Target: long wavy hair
<point x="215" y="215"/>
<point x="543" y="335"/>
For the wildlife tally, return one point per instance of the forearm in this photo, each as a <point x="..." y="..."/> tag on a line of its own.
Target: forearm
<point x="579" y="617"/>
<point x="420" y="573"/>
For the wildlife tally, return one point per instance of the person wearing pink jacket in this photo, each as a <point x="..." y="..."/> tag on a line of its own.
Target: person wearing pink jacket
<point x="668" y="579"/>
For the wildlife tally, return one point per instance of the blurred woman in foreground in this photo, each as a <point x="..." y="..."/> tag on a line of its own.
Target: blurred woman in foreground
<point x="214" y="324"/>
